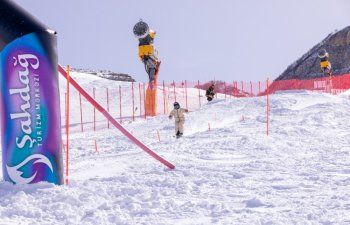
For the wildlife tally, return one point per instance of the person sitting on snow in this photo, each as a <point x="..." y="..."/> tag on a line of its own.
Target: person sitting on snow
<point x="210" y="93"/>
<point x="178" y="114"/>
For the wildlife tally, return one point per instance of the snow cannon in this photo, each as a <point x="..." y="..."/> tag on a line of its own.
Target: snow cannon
<point x="148" y="54"/>
<point x="29" y="102"/>
<point x="141" y="30"/>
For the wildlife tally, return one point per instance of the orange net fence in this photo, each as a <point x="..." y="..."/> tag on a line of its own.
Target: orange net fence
<point x="127" y="101"/>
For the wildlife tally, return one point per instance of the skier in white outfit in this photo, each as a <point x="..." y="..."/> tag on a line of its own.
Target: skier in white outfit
<point x="178" y="114"/>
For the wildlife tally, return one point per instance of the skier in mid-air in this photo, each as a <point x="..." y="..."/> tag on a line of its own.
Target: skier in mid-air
<point x="178" y="114"/>
<point x="147" y="52"/>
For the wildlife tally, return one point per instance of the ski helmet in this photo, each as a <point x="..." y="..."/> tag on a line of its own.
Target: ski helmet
<point x="322" y="54"/>
<point x="176" y="105"/>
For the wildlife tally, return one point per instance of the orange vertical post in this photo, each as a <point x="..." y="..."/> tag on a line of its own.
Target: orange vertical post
<point x="93" y="92"/>
<point x="199" y="94"/>
<point x="186" y="94"/>
<point x="158" y="135"/>
<point x="251" y="89"/>
<point x="174" y="90"/>
<point x="140" y="99"/>
<point x="225" y="89"/>
<point x="107" y="105"/>
<point x="120" y="104"/>
<point x="133" y="101"/>
<point x="144" y="98"/>
<point x="81" y="114"/>
<point x="267" y="107"/>
<point x="67" y="124"/>
<point x="96" y="149"/>
<point x="164" y="96"/>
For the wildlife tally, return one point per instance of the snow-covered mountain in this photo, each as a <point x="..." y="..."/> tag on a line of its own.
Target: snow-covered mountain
<point x="106" y="74"/>
<point x="232" y="174"/>
<point x="337" y="44"/>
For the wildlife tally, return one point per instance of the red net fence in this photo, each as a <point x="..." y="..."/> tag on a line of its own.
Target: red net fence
<point x="126" y="100"/>
<point x="332" y="85"/>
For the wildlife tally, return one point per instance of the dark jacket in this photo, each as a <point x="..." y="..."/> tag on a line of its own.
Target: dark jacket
<point x="210" y="92"/>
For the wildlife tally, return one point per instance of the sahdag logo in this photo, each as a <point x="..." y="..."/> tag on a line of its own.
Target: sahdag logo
<point x="16" y="175"/>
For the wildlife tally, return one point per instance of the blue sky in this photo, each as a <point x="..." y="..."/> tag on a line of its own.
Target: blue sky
<point x="229" y="40"/>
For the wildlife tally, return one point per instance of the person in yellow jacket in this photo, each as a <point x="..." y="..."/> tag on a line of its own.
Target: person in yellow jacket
<point x="325" y="65"/>
<point x="178" y="114"/>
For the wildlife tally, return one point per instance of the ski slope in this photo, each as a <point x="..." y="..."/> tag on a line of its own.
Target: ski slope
<point x="232" y="174"/>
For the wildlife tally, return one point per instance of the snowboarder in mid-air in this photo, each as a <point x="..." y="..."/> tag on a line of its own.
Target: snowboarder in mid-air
<point x="324" y="63"/>
<point x="210" y="92"/>
<point x="178" y="114"/>
<point x="326" y="68"/>
<point x="147" y="52"/>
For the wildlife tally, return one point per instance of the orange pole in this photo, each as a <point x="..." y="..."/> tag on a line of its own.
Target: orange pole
<point x="174" y="90"/>
<point x="158" y="135"/>
<point x="183" y="88"/>
<point x="67" y="124"/>
<point x="225" y="89"/>
<point x="93" y="94"/>
<point x="144" y="98"/>
<point x="199" y="94"/>
<point x="107" y="104"/>
<point x="251" y="89"/>
<point x="120" y="104"/>
<point x="133" y="101"/>
<point x="140" y="99"/>
<point x="267" y="107"/>
<point x="186" y="94"/>
<point x="96" y="149"/>
<point x="81" y="114"/>
<point x="65" y="107"/>
<point x="164" y="96"/>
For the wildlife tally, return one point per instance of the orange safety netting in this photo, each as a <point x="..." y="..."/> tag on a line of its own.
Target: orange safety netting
<point x="332" y="84"/>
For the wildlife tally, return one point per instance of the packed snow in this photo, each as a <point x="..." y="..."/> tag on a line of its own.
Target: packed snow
<point x="231" y="174"/>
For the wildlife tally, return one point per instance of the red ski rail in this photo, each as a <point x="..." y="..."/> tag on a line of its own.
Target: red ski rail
<point x="112" y="120"/>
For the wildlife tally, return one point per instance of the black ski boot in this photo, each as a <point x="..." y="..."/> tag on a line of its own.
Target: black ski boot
<point x="178" y="134"/>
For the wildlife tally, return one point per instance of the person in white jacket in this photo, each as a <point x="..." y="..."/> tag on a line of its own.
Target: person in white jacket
<point x="178" y="114"/>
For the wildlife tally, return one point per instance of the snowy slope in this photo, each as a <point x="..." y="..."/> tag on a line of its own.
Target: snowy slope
<point x="232" y="174"/>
